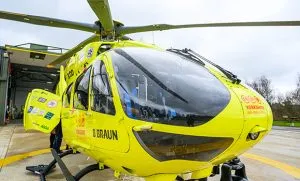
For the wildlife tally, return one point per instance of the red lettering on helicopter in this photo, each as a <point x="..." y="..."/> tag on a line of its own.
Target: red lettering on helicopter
<point x="253" y="104"/>
<point x="80" y="121"/>
<point x="259" y="111"/>
<point x="80" y="131"/>
<point x="255" y="107"/>
<point x="251" y="99"/>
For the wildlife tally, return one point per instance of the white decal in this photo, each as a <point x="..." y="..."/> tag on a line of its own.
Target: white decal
<point x="35" y="110"/>
<point x="90" y="53"/>
<point x="52" y="103"/>
<point x="81" y="55"/>
<point x="42" y="112"/>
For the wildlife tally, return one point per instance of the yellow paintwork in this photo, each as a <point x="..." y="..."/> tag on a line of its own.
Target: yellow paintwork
<point x="246" y="111"/>
<point x="42" y="111"/>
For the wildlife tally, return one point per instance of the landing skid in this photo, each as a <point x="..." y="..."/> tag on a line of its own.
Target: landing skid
<point x="226" y="169"/>
<point x="43" y="170"/>
<point x="238" y="167"/>
<point x="226" y="172"/>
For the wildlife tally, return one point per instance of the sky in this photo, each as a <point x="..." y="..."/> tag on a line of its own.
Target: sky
<point x="249" y="52"/>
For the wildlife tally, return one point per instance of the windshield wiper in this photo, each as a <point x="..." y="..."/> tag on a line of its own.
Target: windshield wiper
<point x="187" y="55"/>
<point x="196" y="56"/>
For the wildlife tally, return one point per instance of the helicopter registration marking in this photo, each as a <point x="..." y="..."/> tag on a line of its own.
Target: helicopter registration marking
<point x="105" y="134"/>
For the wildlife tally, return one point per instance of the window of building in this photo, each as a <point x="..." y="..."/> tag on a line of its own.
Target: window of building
<point x="102" y="100"/>
<point x="81" y="92"/>
<point x="67" y="97"/>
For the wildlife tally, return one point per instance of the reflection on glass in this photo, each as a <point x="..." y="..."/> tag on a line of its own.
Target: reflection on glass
<point x="166" y="88"/>
<point x="100" y="93"/>
<point x="82" y="91"/>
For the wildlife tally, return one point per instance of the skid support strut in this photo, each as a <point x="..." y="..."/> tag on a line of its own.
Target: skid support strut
<point x="238" y="167"/>
<point x="80" y="174"/>
<point x="43" y="170"/>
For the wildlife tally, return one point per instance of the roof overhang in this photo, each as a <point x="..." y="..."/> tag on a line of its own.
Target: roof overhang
<point x="31" y="56"/>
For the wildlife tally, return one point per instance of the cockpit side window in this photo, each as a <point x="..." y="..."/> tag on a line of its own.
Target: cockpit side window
<point x="82" y="91"/>
<point x="67" y="97"/>
<point x="101" y="95"/>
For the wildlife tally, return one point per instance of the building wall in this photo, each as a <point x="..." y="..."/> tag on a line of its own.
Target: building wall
<point x="3" y="84"/>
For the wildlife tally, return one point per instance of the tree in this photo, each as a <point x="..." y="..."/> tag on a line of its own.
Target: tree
<point x="263" y="86"/>
<point x="296" y="93"/>
<point x="288" y="104"/>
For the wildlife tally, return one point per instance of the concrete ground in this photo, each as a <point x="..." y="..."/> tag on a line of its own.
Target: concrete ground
<point x="276" y="158"/>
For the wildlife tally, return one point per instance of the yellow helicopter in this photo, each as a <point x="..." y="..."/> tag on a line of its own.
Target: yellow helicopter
<point x="145" y="111"/>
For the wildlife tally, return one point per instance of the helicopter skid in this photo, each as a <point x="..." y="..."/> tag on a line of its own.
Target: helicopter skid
<point x="43" y="170"/>
<point x="239" y="168"/>
<point x="81" y="173"/>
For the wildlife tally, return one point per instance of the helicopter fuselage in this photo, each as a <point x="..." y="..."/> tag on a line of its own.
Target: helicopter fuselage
<point x="144" y="111"/>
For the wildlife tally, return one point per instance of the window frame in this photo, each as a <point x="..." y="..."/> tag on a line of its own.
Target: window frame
<point x="109" y="87"/>
<point x="90" y="68"/>
<point x="65" y="94"/>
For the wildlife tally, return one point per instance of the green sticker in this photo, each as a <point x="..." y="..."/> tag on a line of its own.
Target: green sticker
<point x="49" y="115"/>
<point x="45" y="127"/>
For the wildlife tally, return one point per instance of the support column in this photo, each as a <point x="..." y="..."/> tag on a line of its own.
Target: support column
<point x="3" y="83"/>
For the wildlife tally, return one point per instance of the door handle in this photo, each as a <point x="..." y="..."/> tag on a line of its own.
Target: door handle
<point x="145" y="127"/>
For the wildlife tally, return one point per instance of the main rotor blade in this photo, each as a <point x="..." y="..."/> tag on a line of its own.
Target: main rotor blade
<point x="159" y="27"/>
<point x="102" y="11"/>
<point x="45" y="21"/>
<point x="75" y="49"/>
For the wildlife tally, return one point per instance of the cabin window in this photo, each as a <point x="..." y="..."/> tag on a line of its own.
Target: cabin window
<point x="82" y="91"/>
<point x="67" y="97"/>
<point x="101" y="96"/>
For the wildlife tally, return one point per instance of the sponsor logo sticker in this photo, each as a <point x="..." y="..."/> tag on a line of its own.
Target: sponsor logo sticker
<point x="35" y="110"/>
<point x="90" y="52"/>
<point x="42" y="100"/>
<point x="49" y="115"/>
<point x="45" y="127"/>
<point x="30" y="109"/>
<point x="42" y="113"/>
<point x="52" y="103"/>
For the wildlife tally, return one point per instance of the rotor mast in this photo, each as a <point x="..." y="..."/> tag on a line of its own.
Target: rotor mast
<point x="109" y="30"/>
<point x="106" y="24"/>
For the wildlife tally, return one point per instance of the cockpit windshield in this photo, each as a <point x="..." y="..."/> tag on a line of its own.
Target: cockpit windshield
<point x="162" y="87"/>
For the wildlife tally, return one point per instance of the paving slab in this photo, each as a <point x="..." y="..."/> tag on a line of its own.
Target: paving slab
<point x="281" y="145"/>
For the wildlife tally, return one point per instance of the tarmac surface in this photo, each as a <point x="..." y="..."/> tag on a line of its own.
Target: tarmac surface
<point x="276" y="158"/>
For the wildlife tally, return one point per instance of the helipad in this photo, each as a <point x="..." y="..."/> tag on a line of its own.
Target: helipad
<point x="276" y="158"/>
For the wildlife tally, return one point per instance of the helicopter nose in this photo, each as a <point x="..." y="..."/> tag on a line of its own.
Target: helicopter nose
<point x="270" y="117"/>
<point x="258" y="116"/>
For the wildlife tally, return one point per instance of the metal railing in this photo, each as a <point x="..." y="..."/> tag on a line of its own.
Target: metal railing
<point x="45" y="48"/>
